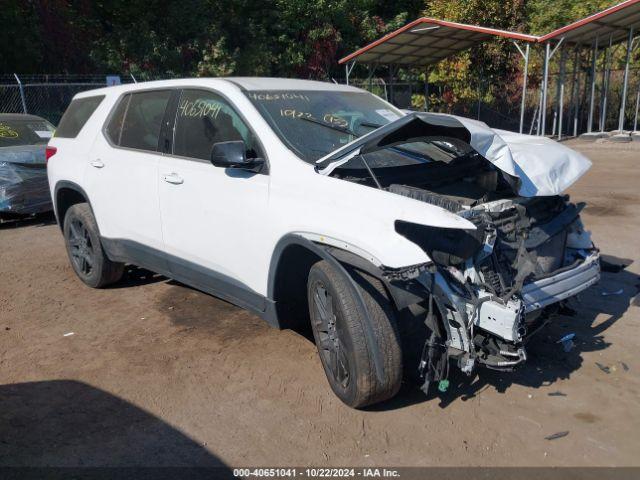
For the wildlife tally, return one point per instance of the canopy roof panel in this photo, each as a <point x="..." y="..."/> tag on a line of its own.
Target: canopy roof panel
<point x="614" y="21"/>
<point x="427" y="41"/>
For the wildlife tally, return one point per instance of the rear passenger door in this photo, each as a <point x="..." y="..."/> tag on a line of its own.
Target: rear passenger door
<point x="122" y="177"/>
<point x="212" y="216"/>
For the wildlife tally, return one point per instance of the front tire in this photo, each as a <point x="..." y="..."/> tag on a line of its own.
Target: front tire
<point x="339" y="332"/>
<point x="86" y="255"/>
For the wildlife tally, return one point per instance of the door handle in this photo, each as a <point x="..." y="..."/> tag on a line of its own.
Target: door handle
<point x="97" y="163"/>
<point x="173" y="178"/>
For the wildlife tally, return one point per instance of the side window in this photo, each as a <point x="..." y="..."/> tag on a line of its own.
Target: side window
<point x="76" y="116"/>
<point x="137" y="120"/>
<point x="114" y="128"/>
<point x="204" y="118"/>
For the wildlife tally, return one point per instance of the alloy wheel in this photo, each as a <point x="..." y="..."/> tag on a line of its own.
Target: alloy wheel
<point x="328" y="333"/>
<point x="81" y="247"/>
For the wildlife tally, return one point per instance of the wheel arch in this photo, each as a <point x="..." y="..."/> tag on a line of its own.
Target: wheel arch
<point x="66" y="194"/>
<point x="290" y="263"/>
<point x="296" y="254"/>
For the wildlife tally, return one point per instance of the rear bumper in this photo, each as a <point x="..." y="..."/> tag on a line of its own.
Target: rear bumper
<point x="543" y="292"/>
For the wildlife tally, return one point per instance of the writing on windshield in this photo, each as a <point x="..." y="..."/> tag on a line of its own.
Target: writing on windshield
<point x="315" y="123"/>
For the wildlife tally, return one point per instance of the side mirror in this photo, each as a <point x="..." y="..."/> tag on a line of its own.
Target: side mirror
<point x="233" y="155"/>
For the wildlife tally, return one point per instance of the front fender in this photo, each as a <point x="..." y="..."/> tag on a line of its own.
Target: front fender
<point x="323" y="253"/>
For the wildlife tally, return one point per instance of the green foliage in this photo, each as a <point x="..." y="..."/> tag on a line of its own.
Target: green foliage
<point x="154" y="38"/>
<point x="546" y="15"/>
<point x="17" y="36"/>
<point x="486" y="64"/>
<point x="304" y="38"/>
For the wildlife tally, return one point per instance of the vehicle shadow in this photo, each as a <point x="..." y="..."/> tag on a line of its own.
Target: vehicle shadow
<point x="135" y="276"/>
<point x="548" y="362"/>
<point x="64" y="423"/>
<point x="38" y="220"/>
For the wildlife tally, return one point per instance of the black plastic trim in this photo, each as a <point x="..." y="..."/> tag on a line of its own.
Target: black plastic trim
<point x="196" y="276"/>
<point x="323" y="253"/>
<point x="72" y="186"/>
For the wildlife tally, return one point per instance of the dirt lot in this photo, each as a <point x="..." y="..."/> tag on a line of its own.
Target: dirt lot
<point x="158" y="374"/>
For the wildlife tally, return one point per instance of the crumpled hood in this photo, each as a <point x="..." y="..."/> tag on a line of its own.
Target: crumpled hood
<point x="543" y="166"/>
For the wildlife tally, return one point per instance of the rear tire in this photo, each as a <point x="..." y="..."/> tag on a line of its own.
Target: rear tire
<point x="85" y="251"/>
<point x="339" y="332"/>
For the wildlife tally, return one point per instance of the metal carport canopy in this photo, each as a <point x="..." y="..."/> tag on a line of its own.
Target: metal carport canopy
<point x="614" y="21"/>
<point x="427" y="41"/>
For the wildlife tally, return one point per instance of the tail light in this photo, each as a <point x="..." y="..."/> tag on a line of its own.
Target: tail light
<point x="49" y="152"/>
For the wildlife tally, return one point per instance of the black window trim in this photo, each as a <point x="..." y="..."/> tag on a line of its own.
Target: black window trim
<point x="114" y="108"/>
<point x="265" y="170"/>
<point x="171" y="114"/>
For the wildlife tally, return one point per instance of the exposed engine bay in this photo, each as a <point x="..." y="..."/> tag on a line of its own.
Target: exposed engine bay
<point x="488" y="289"/>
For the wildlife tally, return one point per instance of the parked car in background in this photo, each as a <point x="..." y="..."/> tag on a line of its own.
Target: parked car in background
<point x="24" y="189"/>
<point x="319" y="204"/>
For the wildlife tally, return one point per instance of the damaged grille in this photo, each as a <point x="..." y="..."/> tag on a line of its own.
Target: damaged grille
<point x="425" y="196"/>
<point x="531" y="242"/>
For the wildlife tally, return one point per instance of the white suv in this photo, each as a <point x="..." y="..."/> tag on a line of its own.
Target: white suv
<point x="321" y="204"/>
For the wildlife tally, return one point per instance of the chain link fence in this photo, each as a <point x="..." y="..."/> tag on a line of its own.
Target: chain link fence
<point x="494" y="106"/>
<point x="47" y="95"/>
<point x="490" y="106"/>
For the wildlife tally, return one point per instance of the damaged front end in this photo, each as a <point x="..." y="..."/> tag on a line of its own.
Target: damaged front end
<point x="487" y="290"/>
<point x="486" y="301"/>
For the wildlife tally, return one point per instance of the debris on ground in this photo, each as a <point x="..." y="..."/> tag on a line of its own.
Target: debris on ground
<point x="68" y="334"/>
<point x="557" y="394"/>
<point x="443" y="385"/>
<point x="617" y="292"/>
<point x="567" y="342"/>
<point x="604" y="368"/>
<point x="556" y="435"/>
<point x="625" y="367"/>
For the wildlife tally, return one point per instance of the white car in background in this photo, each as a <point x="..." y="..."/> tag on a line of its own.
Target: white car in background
<point x="318" y="204"/>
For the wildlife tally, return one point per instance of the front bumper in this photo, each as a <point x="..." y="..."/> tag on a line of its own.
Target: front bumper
<point x="506" y="319"/>
<point x="552" y="289"/>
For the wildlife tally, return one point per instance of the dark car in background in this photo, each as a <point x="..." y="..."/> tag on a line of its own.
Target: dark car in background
<point x="24" y="189"/>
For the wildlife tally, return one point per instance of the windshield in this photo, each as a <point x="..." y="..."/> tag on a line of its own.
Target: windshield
<point x="24" y="132"/>
<point x="315" y="123"/>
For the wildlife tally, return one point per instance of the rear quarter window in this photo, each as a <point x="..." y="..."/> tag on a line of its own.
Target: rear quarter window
<point x="77" y="115"/>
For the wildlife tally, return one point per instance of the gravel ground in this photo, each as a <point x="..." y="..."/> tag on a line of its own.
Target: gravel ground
<point x="151" y="372"/>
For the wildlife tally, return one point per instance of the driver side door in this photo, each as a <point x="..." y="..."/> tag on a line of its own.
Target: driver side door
<point x="212" y="217"/>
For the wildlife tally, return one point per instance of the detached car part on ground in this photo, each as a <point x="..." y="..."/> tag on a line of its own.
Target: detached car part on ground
<point x="24" y="189"/>
<point x="407" y="242"/>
